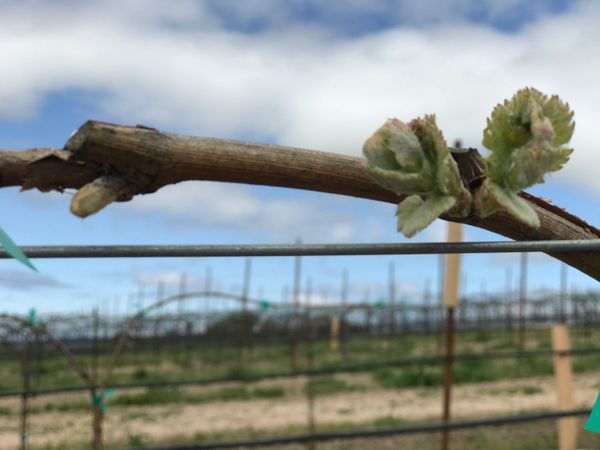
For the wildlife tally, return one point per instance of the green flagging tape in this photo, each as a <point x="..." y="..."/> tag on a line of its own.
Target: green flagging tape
<point x="98" y="399"/>
<point x="265" y="305"/>
<point x="379" y="304"/>
<point x="593" y="423"/>
<point x="33" y="320"/>
<point x="13" y="250"/>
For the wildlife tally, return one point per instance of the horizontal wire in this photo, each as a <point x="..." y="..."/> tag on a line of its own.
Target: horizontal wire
<point x="370" y="433"/>
<point x="360" y="367"/>
<point x="235" y="250"/>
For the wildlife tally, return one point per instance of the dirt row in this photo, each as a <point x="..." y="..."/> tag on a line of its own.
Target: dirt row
<point x="180" y="422"/>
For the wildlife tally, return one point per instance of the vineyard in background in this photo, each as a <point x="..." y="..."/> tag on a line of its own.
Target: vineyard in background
<point x="209" y="347"/>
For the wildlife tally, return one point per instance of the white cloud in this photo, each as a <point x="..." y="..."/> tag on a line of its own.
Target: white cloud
<point x="170" y="278"/>
<point x="359" y="16"/>
<point x="26" y="280"/>
<point x="283" y="217"/>
<point x="176" y="67"/>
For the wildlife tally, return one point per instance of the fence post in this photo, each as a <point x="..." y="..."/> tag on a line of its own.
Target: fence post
<point x="96" y="404"/>
<point x="567" y="427"/>
<point x="310" y="365"/>
<point x="295" y="318"/>
<point x="26" y="372"/>
<point x="450" y="299"/>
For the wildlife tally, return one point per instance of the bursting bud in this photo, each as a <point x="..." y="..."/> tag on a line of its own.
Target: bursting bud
<point x="526" y="137"/>
<point x="413" y="159"/>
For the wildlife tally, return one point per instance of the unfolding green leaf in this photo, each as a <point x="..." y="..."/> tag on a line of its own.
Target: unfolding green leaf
<point x="525" y="136"/>
<point x="414" y="213"/>
<point x="413" y="159"/>
<point x="515" y="205"/>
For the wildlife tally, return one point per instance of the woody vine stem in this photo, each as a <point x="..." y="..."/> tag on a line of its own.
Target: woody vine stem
<point x="107" y="162"/>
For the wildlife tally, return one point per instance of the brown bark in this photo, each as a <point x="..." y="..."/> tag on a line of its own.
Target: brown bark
<point x="144" y="160"/>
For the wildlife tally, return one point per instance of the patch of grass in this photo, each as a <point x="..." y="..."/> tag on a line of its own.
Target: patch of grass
<point x="329" y="384"/>
<point x="586" y="362"/>
<point x="388" y="422"/>
<point x="135" y="415"/>
<point x="268" y="392"/>
<point x="136" y="440"/>
<point x="231" y="393"/>
<point x="401" y="378"/>
<point x="63" y="407"/>
<point x="149" y="397"/>
<point x="518" y="390"/>
<point x="239" y="372"/>
<point x="159" y="396"/>
<point x="140" y="374"/>
<point x="474" y="370"/>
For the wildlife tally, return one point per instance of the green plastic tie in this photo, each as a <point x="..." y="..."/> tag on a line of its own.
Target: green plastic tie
<point x="13" y="250"/>
<point x="33" y="320"/>
<point x="98" y="399"/>
<point x="265" y="305"/>
<point x="593" y="423"/>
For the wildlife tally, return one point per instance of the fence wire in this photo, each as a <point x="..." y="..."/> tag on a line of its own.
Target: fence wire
<point x="426" y="248"/>
<point x="288" y="250"/>
<point x="395" y="431"/>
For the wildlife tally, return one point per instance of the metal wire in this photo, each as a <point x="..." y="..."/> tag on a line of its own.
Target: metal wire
<point x="428" y="360"/>
<point x="427" y="248"/>
<point x="147" y="251"/>
<point x="370" y="433"/>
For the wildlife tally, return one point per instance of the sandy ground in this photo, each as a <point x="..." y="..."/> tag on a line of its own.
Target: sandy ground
<point x="176" y="422"/>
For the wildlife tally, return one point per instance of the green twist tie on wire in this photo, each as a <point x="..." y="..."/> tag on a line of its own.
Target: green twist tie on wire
<point x="13" y="250"/>
<point x="98" y="399"/>
<point x="33" y="320"/>
<point x="593" y="423"/>
<point x="265" y="305"/>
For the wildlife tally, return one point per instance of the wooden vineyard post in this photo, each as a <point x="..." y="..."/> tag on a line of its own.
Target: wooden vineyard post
<point x="98" y="413"/>
<point x="450" y="299"/>
<point x="563" y="376"/>
<point x="26" y="373"/>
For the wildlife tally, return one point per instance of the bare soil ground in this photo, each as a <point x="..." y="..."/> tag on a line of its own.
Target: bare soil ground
<point x="179" y="422"/>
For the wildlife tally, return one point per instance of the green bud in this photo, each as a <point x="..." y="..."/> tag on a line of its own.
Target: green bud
<point x="525" y="136"/>
<point x="414" y="160"/>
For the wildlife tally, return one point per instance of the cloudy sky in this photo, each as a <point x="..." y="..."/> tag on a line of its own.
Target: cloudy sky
<point x="306" y="73"/>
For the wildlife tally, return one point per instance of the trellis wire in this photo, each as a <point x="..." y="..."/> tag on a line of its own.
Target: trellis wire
<point x="112" y="251"/>
<point x="429" y="360"/>
<point x="373" y="433"/>
<point x="427" y="248"/>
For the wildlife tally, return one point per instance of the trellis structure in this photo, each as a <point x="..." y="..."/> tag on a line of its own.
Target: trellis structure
<point x="109" y="163"/>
